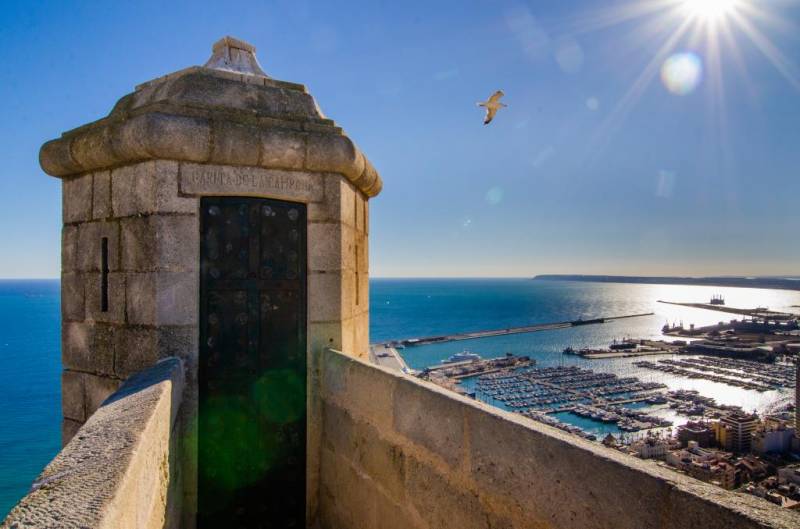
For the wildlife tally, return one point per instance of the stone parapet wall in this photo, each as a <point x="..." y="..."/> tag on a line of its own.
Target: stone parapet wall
<point x="400" y="452"/>
<point x="121" y="469"/>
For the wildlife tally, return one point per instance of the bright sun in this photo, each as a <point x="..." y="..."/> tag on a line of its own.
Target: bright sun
<point x="710" y="9"/>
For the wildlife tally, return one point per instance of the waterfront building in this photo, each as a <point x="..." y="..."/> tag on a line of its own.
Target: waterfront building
<point x="711" y="466"/>
<point x="789" y="474"/>
<point x="720" y="473"/>
<point x="650" y="448"/>
<point x="734" y="432"/>
<point x="700" y="432"/>
<point x="786" y="495"/>
<point x="610" y="441"/>
<point x="773" y="435"/>
<point x="751" y="469"/>
<point x="693" y="452"/>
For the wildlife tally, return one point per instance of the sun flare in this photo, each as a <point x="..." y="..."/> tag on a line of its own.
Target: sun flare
<point x="710" y="10"/>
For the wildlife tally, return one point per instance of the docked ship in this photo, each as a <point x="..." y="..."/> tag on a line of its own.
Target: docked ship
<point x="717" y="300"/>
<point x="464" y="356"/>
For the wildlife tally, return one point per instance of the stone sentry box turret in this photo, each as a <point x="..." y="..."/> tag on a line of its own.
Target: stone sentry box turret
<point x="215" y="215"/>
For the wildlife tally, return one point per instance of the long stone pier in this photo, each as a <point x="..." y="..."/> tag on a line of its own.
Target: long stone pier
<point x="509" y="330"/>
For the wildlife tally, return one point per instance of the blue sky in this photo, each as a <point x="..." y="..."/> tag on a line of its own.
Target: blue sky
<point x="586" y="171"/>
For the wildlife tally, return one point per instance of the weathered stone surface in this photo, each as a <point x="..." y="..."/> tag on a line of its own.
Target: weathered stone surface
<point x="90" y="235"/>
<point x="324" y="297"/>
<point x="69" y="248"/>
<point x="394" y="514"/>
<point x="235" y="144"/>
<point x="72" y="399"/>
<point x="97" y="389"/>
<point x="354" y="387"/>
<point x="282" y="149"/>
<point x="162" y="298"/>
<point x="430" y="419"/>
<point x="115" y="472"/>
<point x="101" y="195"/>
<point x="215" y="90"/>
<point x="369" y="181"/>
<point x="77" y="199"/>
<point x="361" y="251"/>
<point x="139" y="348"/>
<point x="115" y="312"/>
<point x="233" y="55"/>
<point x="361" y="338"/>
<point x="322" y="335"/>
<point x="132" y="194"/>
<point x="297" y="186"/>
<point x="93" y="148"/>
<point x="252" y="124"/>
<point x="348" y="290"/>
<point x="360" y="213"/>
<point x="162" y="136"/>
<point x="329" y="209"/>
<point x="136" y="349"/>
<point x="325" y="247"/>
<point x="149" y="187"/>
<point x="87" y="347"/>
<point x="68" y="430"/>
<point x="56" y="157"/>
<point x="346" y="498"/>
<point x="160" y="243"/>
<point x="168" y="198"/>
<point x="335" y="154"/>
<point x="442" y="503"/>
<point x="348" y="334"/>
<point x="349" y="249"/>
<point x="384" y="462"/>
<point x="72" y="297"/>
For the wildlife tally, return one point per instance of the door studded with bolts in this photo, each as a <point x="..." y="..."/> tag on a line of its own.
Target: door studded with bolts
<point x="252" y="363"/>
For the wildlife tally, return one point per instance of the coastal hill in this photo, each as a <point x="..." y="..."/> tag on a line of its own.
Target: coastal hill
<point x="784" y="283"/>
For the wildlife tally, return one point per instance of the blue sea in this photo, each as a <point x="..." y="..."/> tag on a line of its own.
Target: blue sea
<point x="30" y="360"/>
<point x="30" y="383"/>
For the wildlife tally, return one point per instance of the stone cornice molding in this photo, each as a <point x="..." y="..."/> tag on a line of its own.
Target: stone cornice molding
<point x="206" y="115"/>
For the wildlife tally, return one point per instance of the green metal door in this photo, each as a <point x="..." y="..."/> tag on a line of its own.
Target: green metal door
<point x="252" y="363"/>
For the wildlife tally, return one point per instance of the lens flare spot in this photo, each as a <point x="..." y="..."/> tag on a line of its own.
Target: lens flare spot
<point x="494" y="196"/>
<point x="592" y="103"/>
<point x="681" y="73"/>
<point x="569" y="56"/>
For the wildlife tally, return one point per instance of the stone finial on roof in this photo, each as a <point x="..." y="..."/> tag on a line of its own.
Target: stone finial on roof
<point x="234" y="55"/>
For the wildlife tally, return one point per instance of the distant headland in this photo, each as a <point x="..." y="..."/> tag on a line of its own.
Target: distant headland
<point x="784" y="283"/>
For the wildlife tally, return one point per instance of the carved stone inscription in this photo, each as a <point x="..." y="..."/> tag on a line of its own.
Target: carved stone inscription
<point x="197" y="179"/>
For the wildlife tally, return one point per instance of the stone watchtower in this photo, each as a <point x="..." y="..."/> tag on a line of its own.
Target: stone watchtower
<point x="216" y="215"/>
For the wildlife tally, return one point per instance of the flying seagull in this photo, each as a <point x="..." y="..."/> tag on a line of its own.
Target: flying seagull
<point x="492" y="105"/>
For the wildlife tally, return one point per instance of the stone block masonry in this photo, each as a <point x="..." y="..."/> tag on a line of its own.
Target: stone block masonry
<point x="400" y="452"/>
<point x="129" y="280"/>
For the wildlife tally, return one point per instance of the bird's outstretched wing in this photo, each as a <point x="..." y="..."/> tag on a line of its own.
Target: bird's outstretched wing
<point x="496" y="96"/>
<point x="490" y="112"/>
